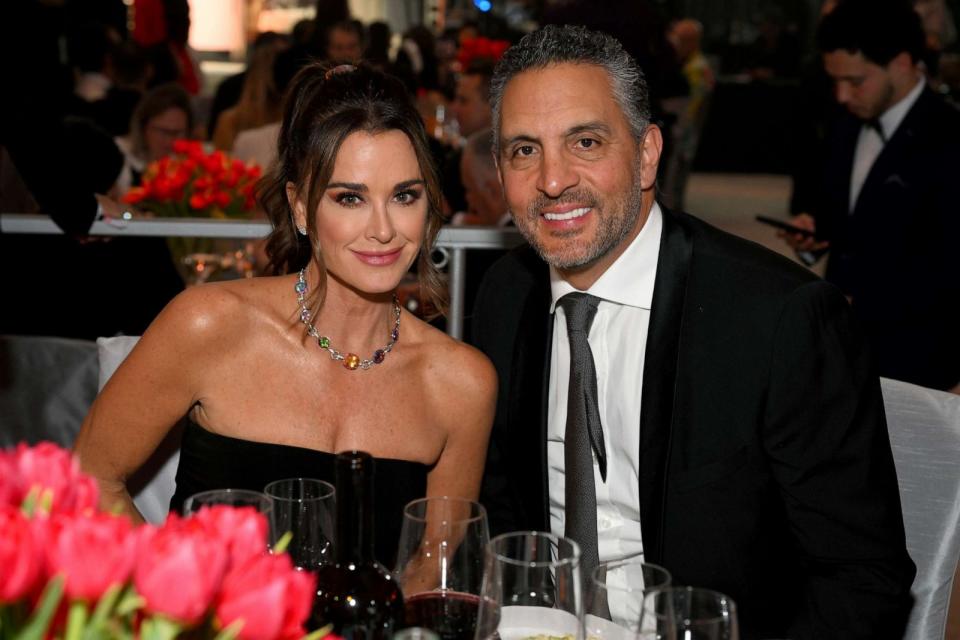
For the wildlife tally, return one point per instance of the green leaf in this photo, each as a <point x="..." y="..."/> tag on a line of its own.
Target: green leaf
<point x="105" y="606"/>
<point x="76" y="620"/>
<point x="36" y="627"/>
<point x="319" y="633"/>
<point x="130" y="602"/>
<point x="231" y="631"/>
<point x="283" y="542"/>
<point x="159" y="628"/>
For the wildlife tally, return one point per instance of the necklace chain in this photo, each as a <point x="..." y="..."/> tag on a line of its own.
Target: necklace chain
<point x="350" y="361"/>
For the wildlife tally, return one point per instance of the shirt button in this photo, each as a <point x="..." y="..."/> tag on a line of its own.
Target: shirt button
<point x="604" y="522"/>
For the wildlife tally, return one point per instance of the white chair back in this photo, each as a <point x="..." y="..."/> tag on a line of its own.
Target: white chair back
<point x="924" y="427"/>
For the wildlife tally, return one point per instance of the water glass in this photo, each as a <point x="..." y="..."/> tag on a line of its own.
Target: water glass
<point x="440" y="564"/>
<point x="306" y="509"/>
<point x="688" y="613"/>
<point x="615" y="594"/>
<point x="531" y="587"/>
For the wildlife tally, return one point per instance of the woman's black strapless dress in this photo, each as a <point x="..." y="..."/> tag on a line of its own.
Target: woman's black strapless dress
<point x="212" y="461"/>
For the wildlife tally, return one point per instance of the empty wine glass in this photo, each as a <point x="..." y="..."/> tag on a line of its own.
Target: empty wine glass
<point x="615" y="594"/>
<point x="305" y="508"/>
<point x="531" y="587"/>
<point x="231" y="498"/>
<point x="688" y="613"/>
<point x="440" y="564"/>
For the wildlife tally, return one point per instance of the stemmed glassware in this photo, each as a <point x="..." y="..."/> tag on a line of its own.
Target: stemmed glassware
<point x="305" y="509"/>
<point x="615" y="597"/>
<point x="231" y="498"/>
<point x="440" y="564"/>
<point x="531" y="587"/>
<point x="688" y="613"/>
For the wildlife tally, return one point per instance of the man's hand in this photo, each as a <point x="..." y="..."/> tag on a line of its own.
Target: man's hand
<point x="800" y="242"/>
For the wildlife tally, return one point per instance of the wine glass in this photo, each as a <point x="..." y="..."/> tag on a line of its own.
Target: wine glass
<point x="615" y="595"/>
<point x="304" y="508"/>
<point x="531" y="587"/>
<point x="231" y="498"/>
<point x="688" y="613"/>
<point x="440" y="564"/>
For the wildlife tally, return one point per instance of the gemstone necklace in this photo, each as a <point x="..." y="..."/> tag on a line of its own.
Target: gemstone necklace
<point x="350" y="361"/>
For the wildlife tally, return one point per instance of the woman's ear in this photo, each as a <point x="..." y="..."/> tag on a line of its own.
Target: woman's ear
<point x="296" y="206"/>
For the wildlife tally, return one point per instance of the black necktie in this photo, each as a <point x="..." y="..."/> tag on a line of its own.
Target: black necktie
<point x="876" y="126"/>
<point x="584" y="433"/>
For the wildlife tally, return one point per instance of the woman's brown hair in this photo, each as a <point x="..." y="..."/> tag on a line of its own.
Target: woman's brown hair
<point x="322" y="108"/>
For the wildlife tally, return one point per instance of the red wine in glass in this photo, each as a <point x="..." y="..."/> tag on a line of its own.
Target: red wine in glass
<point x="450" y="614"/>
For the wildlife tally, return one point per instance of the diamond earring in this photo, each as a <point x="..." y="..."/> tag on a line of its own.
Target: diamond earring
<point x="302" y="230"/>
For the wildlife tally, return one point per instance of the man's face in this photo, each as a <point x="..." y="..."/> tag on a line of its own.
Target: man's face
<point x="864" y="88"/>
<point x="470" y="105"/>
<point x="343" y="46"/>
<point x="576" y="181"/>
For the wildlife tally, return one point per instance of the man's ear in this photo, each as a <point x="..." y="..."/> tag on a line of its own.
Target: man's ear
<point x="650" y="148"/>
<point x="296" y="205"/>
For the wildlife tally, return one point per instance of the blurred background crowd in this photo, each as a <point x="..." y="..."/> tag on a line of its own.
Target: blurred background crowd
<point x="97" y="91"/>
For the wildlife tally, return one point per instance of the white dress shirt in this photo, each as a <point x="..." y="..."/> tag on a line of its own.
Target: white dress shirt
<point x="618" y="339"/>
<point x="870" y="143"/>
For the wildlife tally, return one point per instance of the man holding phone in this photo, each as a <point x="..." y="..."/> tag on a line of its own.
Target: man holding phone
<point x="888" y="209"/>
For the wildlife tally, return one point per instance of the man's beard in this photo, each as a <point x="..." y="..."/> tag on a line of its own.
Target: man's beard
<point x="615" y="220"/>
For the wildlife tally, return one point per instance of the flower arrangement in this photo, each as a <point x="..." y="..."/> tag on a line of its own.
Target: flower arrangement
<point x="480" y="48"/>
<point x="194" y="183"/>
<point x="68" y="571"/>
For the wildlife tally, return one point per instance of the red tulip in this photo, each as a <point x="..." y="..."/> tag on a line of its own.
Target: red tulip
<point x="271" y="597"/>
<point x="9" y="489"/>
<point x="21" y="555"/>
<point x="93" y="552"/>
<point x="179" y="569"/>
<point x="48" y="469"/>
<point x="241" y="530"/>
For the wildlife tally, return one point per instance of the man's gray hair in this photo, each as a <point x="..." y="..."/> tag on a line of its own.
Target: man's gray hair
<point x="555" y="44"/>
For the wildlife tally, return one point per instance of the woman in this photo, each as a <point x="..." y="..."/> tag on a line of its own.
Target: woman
<point x="353" y="200"/>
<point x="161" y="117"/>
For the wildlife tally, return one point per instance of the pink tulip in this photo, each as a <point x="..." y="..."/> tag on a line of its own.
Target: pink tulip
<point x="241" y="530"/>
<point x="47" y="468"/>
<point x="21" y="555"/>
<point x="93" y="552"/>
<point x="271" y="597"/>
<point x="179" y="569"/>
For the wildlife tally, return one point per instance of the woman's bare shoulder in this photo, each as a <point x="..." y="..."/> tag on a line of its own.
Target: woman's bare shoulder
<point x="467" y="374"/>
<point x="217" y="311"/>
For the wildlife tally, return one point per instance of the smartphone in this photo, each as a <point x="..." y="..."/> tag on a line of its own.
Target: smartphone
<point x="786" y="226"/>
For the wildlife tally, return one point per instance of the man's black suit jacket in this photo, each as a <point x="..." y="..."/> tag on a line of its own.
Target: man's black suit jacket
<point x="896" y="253"/>
<point x="765" y="465"/>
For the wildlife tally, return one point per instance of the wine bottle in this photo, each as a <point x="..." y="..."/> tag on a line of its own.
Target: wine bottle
<point x="355" y="593"/>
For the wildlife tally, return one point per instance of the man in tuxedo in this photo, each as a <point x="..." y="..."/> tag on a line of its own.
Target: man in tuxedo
<point x="667" y="388"/>
<point x="887" y="208"/>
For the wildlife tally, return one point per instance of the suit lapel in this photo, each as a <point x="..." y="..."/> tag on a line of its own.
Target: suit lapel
<point x="659" y="378"/>
<point x="528" y="406"/>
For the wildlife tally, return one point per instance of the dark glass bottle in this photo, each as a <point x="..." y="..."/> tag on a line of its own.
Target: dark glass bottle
<point x="355" y="593"/>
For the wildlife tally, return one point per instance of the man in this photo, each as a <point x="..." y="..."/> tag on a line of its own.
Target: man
<point x="733" y="431"/>
<point x="684" y="36"/>
<point x="471" y="109"/>
<point x="481" y="184"/>
<point x="345" y="42"/>
<point x="470" y="104"/>
<point x="888" y="206"/>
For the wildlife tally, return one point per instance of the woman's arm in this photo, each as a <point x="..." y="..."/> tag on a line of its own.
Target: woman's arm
<point x="465" y="405"/>
<point x="155" y="386"/>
